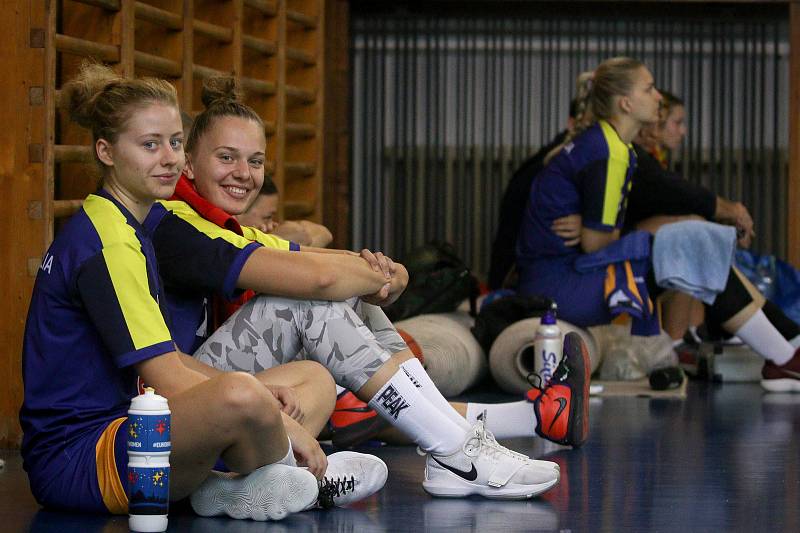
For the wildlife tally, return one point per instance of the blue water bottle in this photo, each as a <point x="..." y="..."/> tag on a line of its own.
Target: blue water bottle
<point x="148" y="462"/>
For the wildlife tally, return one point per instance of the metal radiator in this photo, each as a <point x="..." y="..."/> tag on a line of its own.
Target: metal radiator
<point x="446" y="107"/>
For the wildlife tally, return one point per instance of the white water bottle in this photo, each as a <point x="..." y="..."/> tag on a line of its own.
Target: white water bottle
<point x="548" y="346"/>
<point x="149" y="446"/>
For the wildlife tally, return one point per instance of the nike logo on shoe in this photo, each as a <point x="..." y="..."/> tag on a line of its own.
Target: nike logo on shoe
<point x="471" y="475"/>
<point x="562" y="404"/>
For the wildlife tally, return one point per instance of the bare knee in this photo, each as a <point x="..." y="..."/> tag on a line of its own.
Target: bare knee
<point x="248" y="401"/>
<point x="317" y="376"/>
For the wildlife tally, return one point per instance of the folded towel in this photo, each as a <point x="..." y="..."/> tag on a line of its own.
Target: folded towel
<point x="694" y="257"/>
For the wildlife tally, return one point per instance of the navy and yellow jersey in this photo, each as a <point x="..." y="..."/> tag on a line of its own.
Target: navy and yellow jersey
<point x="198" y="259"/>
<point x="97" y="309"/>
<point x="185" y="211"/>
<point x="591" y="176"/>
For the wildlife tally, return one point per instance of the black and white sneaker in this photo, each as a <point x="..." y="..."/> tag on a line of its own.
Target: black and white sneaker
<point x="484" y="467"/>
<point x="350" y="477"/>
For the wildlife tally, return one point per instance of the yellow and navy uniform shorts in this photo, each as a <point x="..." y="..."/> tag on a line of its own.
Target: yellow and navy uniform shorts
<point x="111" y="460"/>
<point x="87" y="475"/>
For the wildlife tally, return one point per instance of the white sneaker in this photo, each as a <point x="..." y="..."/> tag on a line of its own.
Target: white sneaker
<point x="350" y="477"/>
<point x="484" y="467"/>
<point x="267" y="493"/>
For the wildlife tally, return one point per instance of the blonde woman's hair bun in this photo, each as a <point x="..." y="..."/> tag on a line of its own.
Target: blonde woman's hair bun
<point x="79" y="95"/>
<point x="221" y="89"/>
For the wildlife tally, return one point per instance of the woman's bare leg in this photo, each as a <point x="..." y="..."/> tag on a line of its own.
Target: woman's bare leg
<point x="314" y="387"/>
<point x="232" y="416"/>
<point x="384" y="374"/>
<point x="676" y="309"/>
<point x="697" y="314"/>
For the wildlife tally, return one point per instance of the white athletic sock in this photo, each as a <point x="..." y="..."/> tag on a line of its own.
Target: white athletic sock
<point x="289" y="458"/>
<point x="416" y="373"/>
<point x="759" y="333"/>
<point x="795" y="342"/>
<point x="505" y="420"/>
<point x="406" y="408"/>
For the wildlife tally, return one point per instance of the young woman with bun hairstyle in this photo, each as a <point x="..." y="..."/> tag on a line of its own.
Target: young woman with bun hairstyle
<point x="352" y="338"/>
<point x="604" y="274"/>
<point x="98" y="326"/>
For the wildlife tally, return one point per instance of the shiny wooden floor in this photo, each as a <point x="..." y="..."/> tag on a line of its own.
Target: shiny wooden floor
<point x="726" y="459"/>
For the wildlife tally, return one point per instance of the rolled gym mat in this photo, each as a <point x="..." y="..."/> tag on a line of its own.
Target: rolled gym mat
<point x="450" y="354"/>
<point x="462" y="317"/>
<point x="511" y="356"/>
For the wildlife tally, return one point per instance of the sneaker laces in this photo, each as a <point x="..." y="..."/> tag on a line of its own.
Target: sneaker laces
<point x="534" y="380"/>
<point x="482" y="440"/>
<point x="559" y="374"/>
<point x="334" y="487"/>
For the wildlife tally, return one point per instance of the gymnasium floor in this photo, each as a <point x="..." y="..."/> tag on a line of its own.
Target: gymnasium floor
<point x="726" y="459"/>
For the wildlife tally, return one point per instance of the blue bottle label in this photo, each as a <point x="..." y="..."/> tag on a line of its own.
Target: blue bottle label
<point x="148" y="490"/>
<point x="549" y="363"/>
<point x="149" y="434"/>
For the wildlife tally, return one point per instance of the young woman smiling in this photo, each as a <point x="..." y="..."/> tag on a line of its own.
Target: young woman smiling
<point x="98" y="325"/>
<point x="352" y="338"/>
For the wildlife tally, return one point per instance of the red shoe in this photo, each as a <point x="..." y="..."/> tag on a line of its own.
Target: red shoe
<point x="784" y="378"/>
<point x="562" y="406"/>
<point x="353" y="421"/>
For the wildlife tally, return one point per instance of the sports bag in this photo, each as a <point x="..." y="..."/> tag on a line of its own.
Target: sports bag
<point x="439" y="281"/>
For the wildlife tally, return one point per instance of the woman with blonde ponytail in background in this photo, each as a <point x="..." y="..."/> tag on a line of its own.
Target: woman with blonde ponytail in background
<point x="607" y="274"/>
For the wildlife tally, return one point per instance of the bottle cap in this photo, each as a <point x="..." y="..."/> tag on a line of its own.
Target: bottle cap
<point x="149" y="401"/>
<point x="549" y="318"/>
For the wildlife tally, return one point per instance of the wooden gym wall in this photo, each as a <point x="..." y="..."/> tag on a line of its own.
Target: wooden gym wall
<point x="275" y="47"/>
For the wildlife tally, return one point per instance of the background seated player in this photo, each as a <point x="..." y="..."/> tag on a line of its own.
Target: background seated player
<point x="658" y="196"/>
<point x="261" y="215"/>
<point x="592" y="175"/>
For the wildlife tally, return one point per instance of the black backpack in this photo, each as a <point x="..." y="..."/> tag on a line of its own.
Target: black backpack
<point x="439" y="281"/>
<point x="503" y="312"/>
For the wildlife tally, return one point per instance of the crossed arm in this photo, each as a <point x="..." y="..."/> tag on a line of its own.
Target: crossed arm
<point x="323" y="276"/>
<point x="570" y="228"/>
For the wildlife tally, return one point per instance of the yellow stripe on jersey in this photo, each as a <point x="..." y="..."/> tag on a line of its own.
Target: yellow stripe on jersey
<point x="266" y="239"/>
<point x="185" y="212"/>
<point x="617" y="169"/>
<point x="127" y="268"/>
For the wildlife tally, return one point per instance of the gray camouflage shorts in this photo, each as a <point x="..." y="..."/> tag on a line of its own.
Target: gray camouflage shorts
<point x="352" y="339"/>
